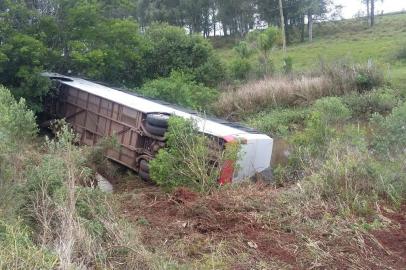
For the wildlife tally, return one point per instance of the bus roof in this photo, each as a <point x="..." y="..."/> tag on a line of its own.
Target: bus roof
<point x="215" y="127"/>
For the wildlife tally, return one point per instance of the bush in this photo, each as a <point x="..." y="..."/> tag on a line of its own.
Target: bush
<point x="390" y="132"/>
<point x="180" y="89"/>
<point x="287" y="64"/>
<point x="210" y="73"/>
<point x="332" y="110"/>
<point x="240" y="68"/>
<point x="18" y="251"/>
<point x="17" y="122"/>
<point x="17" y="131"/>
<point x="243" y="50"/>
<point x="381" y="101"/>
<point x="401" y="54"/>
<point x="279" y="122"/>
<point x="187" y="159"/>
<point x="348" y="77"/>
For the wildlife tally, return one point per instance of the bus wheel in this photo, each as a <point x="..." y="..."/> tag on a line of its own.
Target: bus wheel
<point x="144" y="166"/>
<point x="158" y="119"/>
<point x="144" y="175"/>
<point x="155" y="130"/>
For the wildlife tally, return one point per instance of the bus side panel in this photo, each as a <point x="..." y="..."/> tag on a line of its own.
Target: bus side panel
<point x="94" y="118"/>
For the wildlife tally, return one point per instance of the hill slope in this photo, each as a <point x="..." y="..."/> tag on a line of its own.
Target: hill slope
<point x="347" y="39"/>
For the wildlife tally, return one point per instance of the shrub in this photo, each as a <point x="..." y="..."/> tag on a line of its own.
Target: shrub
<point x="332" y="110"/>
<point x="180" y="89"/>
<point x="240" y="68"/>
<point x="279" y="122"/>
<point x="348" y="77"/>
<point x="18" y="251"/>
<point x="210" y="73"/>
<point x="390" y="131"/>
<point x="17" y="131"/>
<point x="401" y="54"/>
<point x="17" y="122"/>
<point x="287" y="64"/>
<point x="243" y="50"/>
<point x="381" y="101"/>
<point x="187" y="159"/>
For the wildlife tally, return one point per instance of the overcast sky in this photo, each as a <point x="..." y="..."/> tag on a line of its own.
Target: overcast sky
<point x="351" y="7"/>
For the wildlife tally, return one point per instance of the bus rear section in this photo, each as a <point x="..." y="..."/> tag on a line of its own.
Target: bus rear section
<point x="139" y="124"/>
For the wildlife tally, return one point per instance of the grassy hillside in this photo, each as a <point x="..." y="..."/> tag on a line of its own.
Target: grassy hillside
<point x="350" y="39"/>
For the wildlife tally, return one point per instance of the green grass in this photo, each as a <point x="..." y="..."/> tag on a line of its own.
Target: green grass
<point x="348" y="39"/>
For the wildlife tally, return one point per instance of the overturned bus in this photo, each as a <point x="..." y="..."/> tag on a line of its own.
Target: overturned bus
<point x="96" y="111"/>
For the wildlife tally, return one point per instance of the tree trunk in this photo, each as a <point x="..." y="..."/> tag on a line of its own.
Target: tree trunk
<point x="302" y="30"/>
<point x="282" y="26"/>
<point x="310" y="25"/>
<point x="287" y="26"/>
<point x="368" y="13"/>
<point x="372" y="12"/>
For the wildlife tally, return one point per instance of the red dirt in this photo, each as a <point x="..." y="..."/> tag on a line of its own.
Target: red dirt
<point x="394" y="238"/>
<point x="183" y="195"/>
<point x="190" y="225"/>
<point x="185" y="214"/>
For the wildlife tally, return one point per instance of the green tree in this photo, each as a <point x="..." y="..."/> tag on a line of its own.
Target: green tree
<point x="268" y="39"/>
<point x="172" y="49"/>
<point x="21" y="61"/>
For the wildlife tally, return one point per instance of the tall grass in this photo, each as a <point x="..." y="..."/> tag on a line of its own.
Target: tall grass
<point x="332" y="80"/>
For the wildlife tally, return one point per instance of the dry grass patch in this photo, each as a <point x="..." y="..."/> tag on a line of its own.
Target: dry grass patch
<point x="272" y="92"/>
<point x="288" y="90"/>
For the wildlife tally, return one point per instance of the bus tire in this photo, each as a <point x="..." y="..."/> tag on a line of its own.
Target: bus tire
<point x="144" y="166"/>
<point x="158" y="119"/>
<point x="154" y="130"/>
<point x="144" y="175"/>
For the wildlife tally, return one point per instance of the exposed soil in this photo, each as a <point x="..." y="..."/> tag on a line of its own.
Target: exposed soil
<point x="394" y="238"/>
<point x="190" y="225"/>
